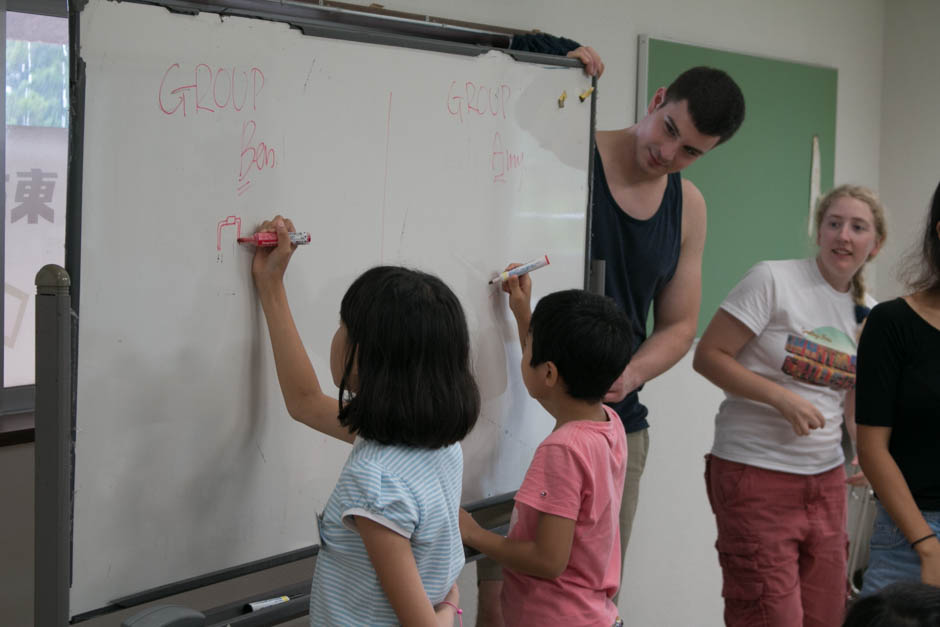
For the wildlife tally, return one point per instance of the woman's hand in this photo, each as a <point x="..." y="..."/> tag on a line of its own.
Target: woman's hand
<point x="858" y="478"/>
<point x="802" y="415"/>
<point x="929" y="552"/>
<point x="270" y="262"/>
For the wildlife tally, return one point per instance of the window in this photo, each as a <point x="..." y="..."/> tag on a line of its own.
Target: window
<point x="36" y="149"/>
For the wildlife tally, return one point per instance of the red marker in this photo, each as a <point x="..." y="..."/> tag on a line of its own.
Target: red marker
<point x="269" y="238"/>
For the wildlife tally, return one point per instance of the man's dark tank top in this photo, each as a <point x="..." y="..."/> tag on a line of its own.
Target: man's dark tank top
<point x="640" y="258"/>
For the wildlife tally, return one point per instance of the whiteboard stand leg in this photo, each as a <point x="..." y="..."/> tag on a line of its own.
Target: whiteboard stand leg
<point x="53" y="449"/>
<point x="598" y="272"/>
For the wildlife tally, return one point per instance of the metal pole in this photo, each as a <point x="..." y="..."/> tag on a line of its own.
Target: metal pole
<point x="53" y="417"/>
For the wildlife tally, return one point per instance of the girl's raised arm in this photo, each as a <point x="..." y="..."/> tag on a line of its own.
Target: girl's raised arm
<point x="303" y="395"/>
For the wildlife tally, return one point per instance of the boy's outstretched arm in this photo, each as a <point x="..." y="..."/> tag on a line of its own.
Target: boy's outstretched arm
<point x="303" y="396"/>
<point x="545" y="557"/>
<point x="395" y="565"/>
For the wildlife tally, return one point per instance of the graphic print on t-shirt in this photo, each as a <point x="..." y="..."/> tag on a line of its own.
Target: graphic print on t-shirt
<point x="823" y="356"/>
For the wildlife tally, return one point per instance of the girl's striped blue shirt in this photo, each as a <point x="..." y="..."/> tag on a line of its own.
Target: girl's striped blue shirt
<point x="412" y="491"/>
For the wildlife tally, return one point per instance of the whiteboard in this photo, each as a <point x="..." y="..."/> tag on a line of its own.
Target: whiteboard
<point x="196" y="127"/>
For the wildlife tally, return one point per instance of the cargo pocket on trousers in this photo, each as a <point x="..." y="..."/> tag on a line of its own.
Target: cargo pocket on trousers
<point x="742" y="586"/>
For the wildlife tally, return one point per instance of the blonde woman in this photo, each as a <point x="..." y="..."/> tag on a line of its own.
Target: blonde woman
<point x="782" y="348"/>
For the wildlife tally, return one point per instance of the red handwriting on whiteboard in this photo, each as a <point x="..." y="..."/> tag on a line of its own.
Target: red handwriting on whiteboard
<point x="254" y="157"/>
<point x="477" y="100"/>
<point x="502" y="161"/>
<point x="208" y="90"/>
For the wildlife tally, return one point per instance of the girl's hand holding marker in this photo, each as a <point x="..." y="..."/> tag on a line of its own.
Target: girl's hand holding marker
<point x="266" y="238"/>
<point x="270" y="261"/>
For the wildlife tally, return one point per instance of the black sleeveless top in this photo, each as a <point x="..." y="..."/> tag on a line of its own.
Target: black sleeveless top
<point x="640" y="259"/>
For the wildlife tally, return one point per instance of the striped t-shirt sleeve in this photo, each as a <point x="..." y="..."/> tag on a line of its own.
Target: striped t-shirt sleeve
<point x="368" y="491"/>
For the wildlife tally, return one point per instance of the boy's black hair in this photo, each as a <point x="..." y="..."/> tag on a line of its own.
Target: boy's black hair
<point x="716" y="103"/>
<point x="586" y="336"/>
<point x="408" y="339"/>
<point x="904" y="604"/>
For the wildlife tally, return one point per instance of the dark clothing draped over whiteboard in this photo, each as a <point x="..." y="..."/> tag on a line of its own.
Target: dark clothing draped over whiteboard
<point x="899" y="387"/>
<point x="544" y="43"/>
<point x="640" y="258"/>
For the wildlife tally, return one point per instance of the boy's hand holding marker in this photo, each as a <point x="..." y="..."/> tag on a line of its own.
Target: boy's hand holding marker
<point x="515" y="281"/>
<point x="519" y="289"/>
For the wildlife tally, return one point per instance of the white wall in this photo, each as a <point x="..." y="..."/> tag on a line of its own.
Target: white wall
<point x="910" y="128"/>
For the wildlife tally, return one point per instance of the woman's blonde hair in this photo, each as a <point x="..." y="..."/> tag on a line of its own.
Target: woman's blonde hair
<point x="871" y="199"/>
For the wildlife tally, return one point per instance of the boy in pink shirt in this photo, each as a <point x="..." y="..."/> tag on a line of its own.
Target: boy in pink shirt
<point x="561" y="558"/>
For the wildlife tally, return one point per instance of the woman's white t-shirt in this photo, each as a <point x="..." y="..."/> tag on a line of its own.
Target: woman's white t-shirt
<point x="805" y="340"/>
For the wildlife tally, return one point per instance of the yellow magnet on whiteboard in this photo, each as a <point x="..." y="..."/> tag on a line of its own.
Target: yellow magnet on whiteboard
<point x="561" y="99"/>
<point x="587" y="92"/>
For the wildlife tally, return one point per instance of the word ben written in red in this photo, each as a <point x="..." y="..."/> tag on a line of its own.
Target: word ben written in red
<point x="209" y="89"/>
<point x="502" y="161"/>
<point x="477" y="99"/>
<point x="254" y="157"/>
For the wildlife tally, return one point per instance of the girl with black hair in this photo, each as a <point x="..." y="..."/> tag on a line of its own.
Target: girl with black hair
<point x="390" y="549"/>
<point x="898" y="418"/>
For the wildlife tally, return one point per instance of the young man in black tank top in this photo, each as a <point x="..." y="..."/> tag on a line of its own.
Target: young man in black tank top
<point x="648" y="226"/>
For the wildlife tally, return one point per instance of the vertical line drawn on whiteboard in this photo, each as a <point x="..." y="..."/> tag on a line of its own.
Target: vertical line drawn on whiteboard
<point x="401" y="238"/>
<point x="388" y="133"/>
<point x="228" y="221"/>
<point x="309" y="72"/>
<point x="23" y="297"/>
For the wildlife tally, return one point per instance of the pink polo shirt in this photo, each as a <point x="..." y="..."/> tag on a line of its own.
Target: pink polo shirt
<point x="576" y="473"/>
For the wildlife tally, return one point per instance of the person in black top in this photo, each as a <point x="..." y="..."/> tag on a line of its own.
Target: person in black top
<point x="898" y="416"/>
<point x="648" y="226"/>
